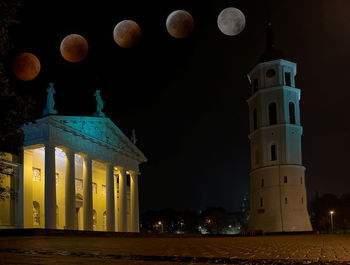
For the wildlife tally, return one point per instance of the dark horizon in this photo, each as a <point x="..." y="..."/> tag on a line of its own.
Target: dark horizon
<point x="187" y="98"/>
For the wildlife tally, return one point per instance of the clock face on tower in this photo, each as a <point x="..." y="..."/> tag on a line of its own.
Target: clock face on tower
<point x="270" y="73"/>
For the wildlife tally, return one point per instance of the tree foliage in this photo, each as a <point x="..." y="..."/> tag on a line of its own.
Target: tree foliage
<point x="214" y="219"/>
<point x="15" y="110"/>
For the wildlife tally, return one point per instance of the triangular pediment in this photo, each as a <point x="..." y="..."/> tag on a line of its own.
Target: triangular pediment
<point x="101" y="129"/>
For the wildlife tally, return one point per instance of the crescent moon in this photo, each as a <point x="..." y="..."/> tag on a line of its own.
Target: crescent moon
<point x="231" y="21"/>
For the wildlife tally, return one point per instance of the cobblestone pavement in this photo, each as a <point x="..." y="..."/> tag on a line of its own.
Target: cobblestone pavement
<point x="282" y="249"/>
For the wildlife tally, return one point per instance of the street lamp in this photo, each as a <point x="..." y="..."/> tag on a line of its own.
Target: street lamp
<point x="160" y="224"/>
<point x="331" y="213"/>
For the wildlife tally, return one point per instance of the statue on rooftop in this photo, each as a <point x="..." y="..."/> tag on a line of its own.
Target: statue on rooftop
<point x="50" y="102"/>
<point x="133" y="136"/>
<point x="99" y="102"/>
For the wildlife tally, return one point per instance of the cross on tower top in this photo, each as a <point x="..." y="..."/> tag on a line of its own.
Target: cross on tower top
<point x="271" y="53"/>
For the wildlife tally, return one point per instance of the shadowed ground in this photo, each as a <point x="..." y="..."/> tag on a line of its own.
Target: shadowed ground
<point x="122" y="249"/>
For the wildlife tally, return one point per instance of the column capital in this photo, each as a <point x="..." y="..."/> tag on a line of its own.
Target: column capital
<point x="120" y="168"/>
<point x="68" y="151"/>
<point x="86" y="157"/>
<point x="108" y="163"/>
<point x="132" y="172"/>
<point x="49" y="145"/>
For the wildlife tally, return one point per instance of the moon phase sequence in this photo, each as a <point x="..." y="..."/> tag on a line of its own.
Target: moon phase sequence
<point x="26" y="66"/>
<point x="127" y="33"/>
<point x="180" y="24"/>
<point x="231" y="21"/>
<point x="74" y="48"/>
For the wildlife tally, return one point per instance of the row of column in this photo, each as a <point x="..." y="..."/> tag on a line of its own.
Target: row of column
<point x="70" y="207"/>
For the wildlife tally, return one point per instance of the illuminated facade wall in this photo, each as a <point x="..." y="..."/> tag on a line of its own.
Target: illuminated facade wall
<point x="75" y="176"/>
<point x="277" y="177"/>
<point x="9" y="178"/>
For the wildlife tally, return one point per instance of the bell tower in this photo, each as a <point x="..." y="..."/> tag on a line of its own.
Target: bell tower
<point x="277" y="176"/>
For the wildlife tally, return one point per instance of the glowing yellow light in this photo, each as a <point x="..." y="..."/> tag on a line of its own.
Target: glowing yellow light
<point x="160" y="223"/>
<point x="331" y="212"/>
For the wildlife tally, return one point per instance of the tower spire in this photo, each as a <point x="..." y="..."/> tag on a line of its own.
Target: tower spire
<point x="271" y="53"/>
<point x="269" y="36"/>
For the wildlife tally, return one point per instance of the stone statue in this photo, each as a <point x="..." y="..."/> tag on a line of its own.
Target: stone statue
<point x="133" y="136"/>
<point x="99" y="102"/>
<point x="50" y="102"/>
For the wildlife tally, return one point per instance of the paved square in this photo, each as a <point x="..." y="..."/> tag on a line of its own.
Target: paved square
<point x="281" y="249"/>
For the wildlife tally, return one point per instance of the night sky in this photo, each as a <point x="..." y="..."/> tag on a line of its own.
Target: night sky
<point x="186" y="98"/>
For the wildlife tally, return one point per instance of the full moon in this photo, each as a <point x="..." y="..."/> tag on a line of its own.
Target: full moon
<point x="180" y="24"/>
<point x="231" y="21"/>
<point x="26" y="66"/>
<point x="127" y="33"/>
<point x="74" y="48"/>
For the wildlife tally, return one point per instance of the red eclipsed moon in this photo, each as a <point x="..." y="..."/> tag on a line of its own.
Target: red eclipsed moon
<point x="26" y="66"/>
<point x="180" y="24"/>
<point x="127" y="33"/>
<point x="74" y="48"/>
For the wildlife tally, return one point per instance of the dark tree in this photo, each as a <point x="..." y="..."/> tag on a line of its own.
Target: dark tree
<point x="15" y="110"/>
<point x="191" y="222"/>
<point x="320" y="208"/>
<point x="215" y="220"/>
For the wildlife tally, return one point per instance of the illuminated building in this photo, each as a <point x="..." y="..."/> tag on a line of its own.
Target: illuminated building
<point x="77" y="173"/>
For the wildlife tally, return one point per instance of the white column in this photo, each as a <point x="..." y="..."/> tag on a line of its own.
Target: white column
<point x="70" y="191"/>
<point x="122" y="200"/>
<point x="110" y="222"/>
<point x="27" y="189"/>
<point x="13" y="197"/>
<point x="20" y="214"/>
<point x="50" y="186"/>
<point x="134" y="196"/>
<point x="87" y="196"/>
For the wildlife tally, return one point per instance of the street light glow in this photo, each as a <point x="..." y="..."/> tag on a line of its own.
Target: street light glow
<point x="331" y="212"/>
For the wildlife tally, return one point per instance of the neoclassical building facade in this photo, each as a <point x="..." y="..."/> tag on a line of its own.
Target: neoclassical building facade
<point x="79" y="173"/>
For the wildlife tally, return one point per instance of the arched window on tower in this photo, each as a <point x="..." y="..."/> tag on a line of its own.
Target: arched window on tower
<point x="272" y="113"/>
<point x="255" y="85"/>
<point x="256" y="157"/>
<point x="291" y="113"/>
<point x="287" y="77"/>
<point x="273" y="152"/>
<point x="255" y="119"/>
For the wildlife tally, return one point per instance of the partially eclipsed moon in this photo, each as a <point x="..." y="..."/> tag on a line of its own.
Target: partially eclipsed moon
<point x="74" y="48"/>
<point x="231" y="21"/>
<point x="127" y="33"/>
<point x="180" y="24"/>
<point x="26" y="66"/>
